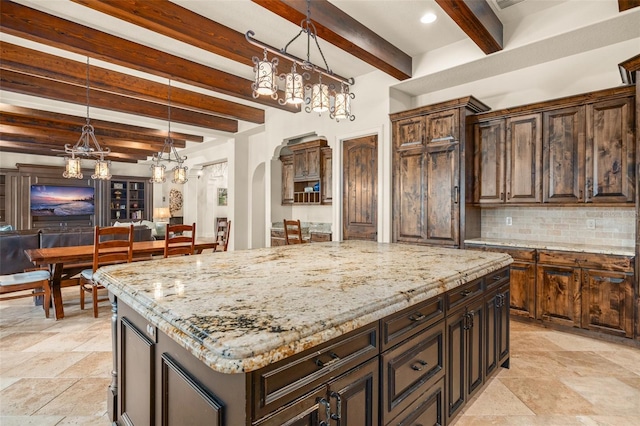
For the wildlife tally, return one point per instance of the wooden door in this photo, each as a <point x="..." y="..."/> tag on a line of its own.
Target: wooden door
<point x="442" y="198"/>
<point x="563" y="155"/>
<point x="360" y="189"/>
<point x="488" y="159"/>
<point x="607" y="302"/>
<point x="610" y="165"/>
<point x="524" y="159"/>
<point x="354" y="396"/>
<point x="523" y="287"/>
<point x="326" y="173"/>
<point x="559" y="294"/>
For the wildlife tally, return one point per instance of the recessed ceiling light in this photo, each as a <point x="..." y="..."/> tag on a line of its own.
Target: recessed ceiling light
<point x="428" y="18"/>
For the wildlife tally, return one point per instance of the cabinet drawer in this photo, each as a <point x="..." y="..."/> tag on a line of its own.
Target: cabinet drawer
<point x="402" y="325"/>
<point x="518" y="254"/>
<point x="426" y="410"/>
<point x="459" y="296"/>
<point x="605" y="262"/>
<point x="410" y="369"/>
<point x="497" y="278"/>
<point x="282" y="382"/>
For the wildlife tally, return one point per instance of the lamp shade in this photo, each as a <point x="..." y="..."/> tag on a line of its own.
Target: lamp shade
<point x="294" y="88"/>
<point x="161" y="213"/>
<point x="157" y="173"/>
<point x="72" y="168"/>
<point x="102" y="170"/>
<point x="319" y="98"/>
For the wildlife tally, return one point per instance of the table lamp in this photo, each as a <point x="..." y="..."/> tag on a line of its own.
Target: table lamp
<point x="161" y="217"/>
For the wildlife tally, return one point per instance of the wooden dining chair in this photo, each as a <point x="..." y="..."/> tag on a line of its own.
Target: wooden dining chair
<point x="111" y="245"/>
<point x="292" y="232"/>
<point x="38" y="281"/>
<point x="222" y="233"/>
<point x="175" y="241"/>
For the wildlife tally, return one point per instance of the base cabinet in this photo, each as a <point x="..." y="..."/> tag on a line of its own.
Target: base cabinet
<point x="415" y="367"/>
<point x="558" y="294"/>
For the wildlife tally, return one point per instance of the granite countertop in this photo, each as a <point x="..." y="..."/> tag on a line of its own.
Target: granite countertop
<point x="583" y="248"/>
<point x="238" y="311"/>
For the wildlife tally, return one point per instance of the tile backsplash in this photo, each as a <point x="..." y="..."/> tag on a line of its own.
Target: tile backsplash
<point x="582" y="225"/>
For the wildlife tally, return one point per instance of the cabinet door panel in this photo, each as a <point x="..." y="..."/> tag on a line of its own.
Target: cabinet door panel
<point x="475" y="347"/>
<point x="287" y="179"/>
<point x="409" y="133"/>
<point x="607" y="302"/>
<point x="524" y="159"/>
<point x="326" y="185"/>
<point x="306" y="411"/>
<point x="564" y="150"/>
<point x="456" y="334"/>
<point x="427" y="410"/>
<point x="523" y="286"/>
<point x="442" y="194"/>
<point x="610" y="168"/>
<point x="489" y="162"/>
<point x="313" y="163"/>
<point x="137" y="375"/>
<point x="410" y="215"/>
<point x="442" y="126"/>
<point x="354" y="396"/>
<point x="504" y="335"/>
<point x="559" y="294"/>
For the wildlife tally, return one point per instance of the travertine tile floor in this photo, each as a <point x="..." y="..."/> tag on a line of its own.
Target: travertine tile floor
<point x="57" y="373"/>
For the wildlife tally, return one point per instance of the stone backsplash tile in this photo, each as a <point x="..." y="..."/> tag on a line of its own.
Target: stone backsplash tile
<point x="613" y="226"/>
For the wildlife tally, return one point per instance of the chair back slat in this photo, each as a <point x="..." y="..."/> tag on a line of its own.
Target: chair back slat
<point x="292" y="232"/>
<point x="176" y="243"/>
<point x="112" y="244"/>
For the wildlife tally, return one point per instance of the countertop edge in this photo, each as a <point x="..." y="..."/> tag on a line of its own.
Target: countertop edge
<point x="540" y="245"/>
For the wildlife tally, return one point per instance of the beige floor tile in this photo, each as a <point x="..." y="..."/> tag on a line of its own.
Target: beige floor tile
<point x="534" y="364"/>
<point x="495" y="400"/>
<point x="11" y="359"/>
<point x="26" y="396"/>
<point x="101" y="342"/>
<point x="548" y="396"/>
<point x="590" y="364"/>
<point x="86" y="397"/>
<point x="517" y="421"/>
<point x="527" y="341"/>
<point x="608" y="395"/>
<point x="628" y="358"/>
<point x="84" y="421"/>
<point x="62" y="342"/>
<point x="7" y="381"/>
<point x="634" y="382"/>
<point x="22" y="341"/>
<point x="96" y="364"/>
<point x="633" y="420"/>
<point x="30" y="420"/>
<point x="45" y="365"/>
<point x="572" y="342"/>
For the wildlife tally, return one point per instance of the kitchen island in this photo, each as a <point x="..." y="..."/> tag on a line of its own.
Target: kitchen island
<point x="305" y="333"/>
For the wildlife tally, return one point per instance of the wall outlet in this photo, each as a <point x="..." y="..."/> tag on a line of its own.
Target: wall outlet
<point x="591" y="224"/>
<point x="508" y="221"/>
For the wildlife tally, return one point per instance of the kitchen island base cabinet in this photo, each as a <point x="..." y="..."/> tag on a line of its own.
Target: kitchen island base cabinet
<point x="419" y="365"/>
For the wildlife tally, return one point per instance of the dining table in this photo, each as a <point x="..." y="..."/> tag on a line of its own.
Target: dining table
<point x="63" y="259"/>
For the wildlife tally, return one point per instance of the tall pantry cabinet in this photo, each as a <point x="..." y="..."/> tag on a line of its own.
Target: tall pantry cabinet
<point x="429" y="164"/>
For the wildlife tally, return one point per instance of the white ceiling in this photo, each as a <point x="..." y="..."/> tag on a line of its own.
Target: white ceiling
<point x="528" y="23"/>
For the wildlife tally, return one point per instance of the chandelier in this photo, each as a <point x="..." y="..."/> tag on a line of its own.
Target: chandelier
<point x="317" y="97"/>
<point x="87" y="146"/>
<point x="157" y="169"/>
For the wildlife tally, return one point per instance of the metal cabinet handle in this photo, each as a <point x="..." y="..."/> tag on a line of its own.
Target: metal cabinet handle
<point x="465" y="293"/>
<point x="456" y="194"/>
<point x="334" y="358"/>
<point x="502" y="196"/>
<point x="338" y="413"/>
<point x="417" y="317"/>
<point x="418" y="365"/>
<point x="327" y="411"/>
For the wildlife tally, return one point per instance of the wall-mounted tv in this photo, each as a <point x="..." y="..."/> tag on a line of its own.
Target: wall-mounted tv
<point x="49" y="200"/>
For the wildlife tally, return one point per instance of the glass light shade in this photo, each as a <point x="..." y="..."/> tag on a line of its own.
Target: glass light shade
<point x="320" y="98"/>
<point x="72" y="168"/>
<point x="180" y="174"/>
<point x="157" y="173"/>
<point x="265" y="78"/>
<point x="342" y="106"/>
<point x="294" y="88"/>
<point x="102" y="171"/>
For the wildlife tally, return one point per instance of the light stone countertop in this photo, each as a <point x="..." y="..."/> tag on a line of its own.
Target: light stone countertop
<point x="238" y="311"/>
<point x="583" y="248"/>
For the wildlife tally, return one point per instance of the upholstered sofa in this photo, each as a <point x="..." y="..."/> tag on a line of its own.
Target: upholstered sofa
<point x="13" y="243"/>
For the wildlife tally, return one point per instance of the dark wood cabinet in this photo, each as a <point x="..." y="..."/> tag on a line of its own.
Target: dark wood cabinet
<point x="287" y="178"/>
<point x="523" y="289"/>
<point x="428" y="409"/>
<point x="429" y="173"/>
<point x="607" y="301"/>
<point x="465" y="327"/>
<point x="307" y="173"/>
<point x="558" y="292"/>
<point x="497" y="329"/>
<point x="610" y="154"/>
<point x="489" y="179"/>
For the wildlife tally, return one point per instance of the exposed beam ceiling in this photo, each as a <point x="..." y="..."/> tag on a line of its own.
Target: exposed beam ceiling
<point x="477" y="20"/>
<point x="627" y="4"/>
<point x="341" y="30"/>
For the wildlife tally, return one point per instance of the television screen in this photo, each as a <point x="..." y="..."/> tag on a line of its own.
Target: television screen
<point x="48" y="200"/>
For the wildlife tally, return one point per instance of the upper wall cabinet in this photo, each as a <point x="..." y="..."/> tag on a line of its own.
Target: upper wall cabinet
<point x="507" y="160"/>
<point x="306" y="174"/>
<point x="569" y="151"/>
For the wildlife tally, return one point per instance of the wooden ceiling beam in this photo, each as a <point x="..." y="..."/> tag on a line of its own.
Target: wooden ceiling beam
<point x="47" y="150"/>
<point x="627" y="4"/>
<point x="45" y="88"/>
<point x="148" y="142"/>
<point x="336" y="27"/>
<point x="478" y="21"/>
<point x="137" y="132"/>
<point x="29" y="61"/>
<point x="31" y="24"/>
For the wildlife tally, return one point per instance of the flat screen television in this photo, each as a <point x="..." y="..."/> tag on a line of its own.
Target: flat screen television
<point x="49" y="200"/>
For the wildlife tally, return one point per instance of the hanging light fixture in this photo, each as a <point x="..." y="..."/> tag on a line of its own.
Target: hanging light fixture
<point x="320" y="97"/>
<point x="87" y="146"/>
<point x="157" y="169"/>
